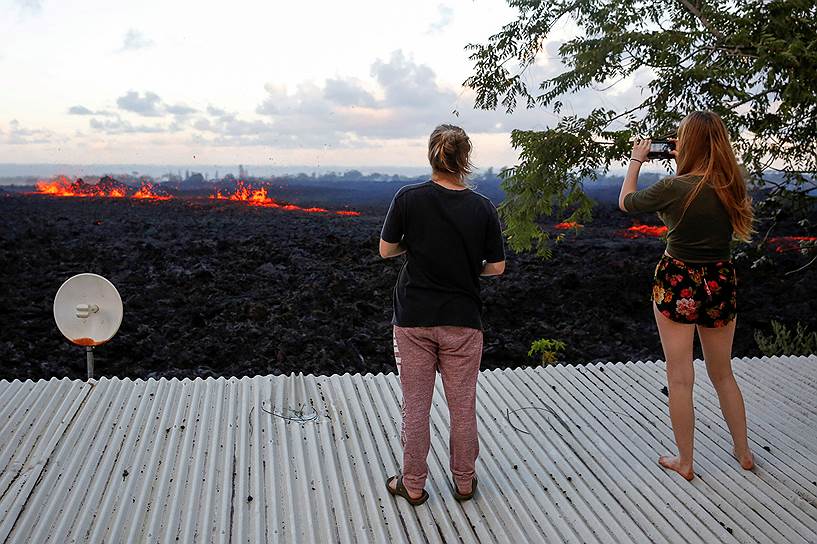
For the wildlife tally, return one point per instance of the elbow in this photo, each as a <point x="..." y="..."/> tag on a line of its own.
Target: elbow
<point x="494" y="269"/>
<point x="384" y="250"/>
<point x="621" y="204"/>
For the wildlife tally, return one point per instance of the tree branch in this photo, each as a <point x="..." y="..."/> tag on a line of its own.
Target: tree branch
<point x="694" y="10"/>
<point x="811" y="262"/>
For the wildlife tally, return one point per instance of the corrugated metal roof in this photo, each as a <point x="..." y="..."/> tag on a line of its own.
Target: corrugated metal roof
<point x="568" y="454"/>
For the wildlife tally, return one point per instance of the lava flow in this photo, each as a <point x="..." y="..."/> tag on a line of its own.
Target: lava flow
<point x="566" y="225"/>
<point x="62" y="186"/>
<point x="641" y="231"/>
<point x="146" y="192"/>
<point x="106" y="188"/>
<point x="258" y="197"/>
<point x="783" y="244"/>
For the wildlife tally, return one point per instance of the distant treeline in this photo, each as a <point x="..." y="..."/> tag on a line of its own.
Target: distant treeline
<point x="351" y="187"/>
<point x="355" y="187"/>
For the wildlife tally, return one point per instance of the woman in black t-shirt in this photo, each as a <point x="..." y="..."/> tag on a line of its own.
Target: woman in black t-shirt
<point x="451" y="236"/>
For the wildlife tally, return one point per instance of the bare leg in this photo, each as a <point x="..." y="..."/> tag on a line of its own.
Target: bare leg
<point x="717" y="346"/>
<point x="676" y="339"/>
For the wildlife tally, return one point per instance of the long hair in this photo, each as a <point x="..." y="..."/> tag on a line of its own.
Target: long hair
<point x="449" y="151"/>
<point x="704" y="147"/>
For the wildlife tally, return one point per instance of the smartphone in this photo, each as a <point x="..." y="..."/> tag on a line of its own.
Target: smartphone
<point x="660" y="149"/>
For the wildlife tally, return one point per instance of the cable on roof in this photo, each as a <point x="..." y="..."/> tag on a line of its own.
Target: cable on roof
<point x="299" y="415"/>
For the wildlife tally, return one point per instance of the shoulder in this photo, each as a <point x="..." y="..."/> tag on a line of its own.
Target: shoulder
<point x="410" y="189"/>
<point x="482" y="200"/>
<point x="680" y="181"/>
<point x="482" y="197"/>
<point x="672" y="184"/>
<point x="680" y="186"/>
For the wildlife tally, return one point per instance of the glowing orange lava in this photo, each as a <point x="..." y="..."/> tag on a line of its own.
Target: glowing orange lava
<point x="566" y="225"/>
<point x="63" y="186"/>
<point x="147" y="192"/>
<point x="782" y="244"/>
<point x="640" y="231"/>
<point x="258" y="197"/>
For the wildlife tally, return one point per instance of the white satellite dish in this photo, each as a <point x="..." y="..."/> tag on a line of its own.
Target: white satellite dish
<point x="88" y="311"/>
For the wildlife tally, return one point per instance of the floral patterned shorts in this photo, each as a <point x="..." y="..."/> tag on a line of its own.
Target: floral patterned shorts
<point x="696" y="293"/>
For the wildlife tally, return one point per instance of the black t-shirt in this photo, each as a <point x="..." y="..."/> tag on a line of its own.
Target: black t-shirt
<point x="447" y="234"/>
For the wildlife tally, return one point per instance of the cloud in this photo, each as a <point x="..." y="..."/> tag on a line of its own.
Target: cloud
<point x="79" y="110"/>
<point x="18" y="135"/>
<point x="407" y="84"/>
<point x="344" y="113"/>
<point x="121" y="126"/>
<point x="444" y="17"/>
<point x="134" y="40"/>
<point x="148" y="105"/>
<point x="227" y="128"/>
<point x="212" y="110"/>
<point x="30" y="6"/>
<point x="347" y="93"/>
<point x="180" y="110"/>
<point x="82" y="110"/>
<point x="404" y="101"/>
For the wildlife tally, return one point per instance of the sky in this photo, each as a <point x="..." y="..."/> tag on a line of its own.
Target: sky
<point x="352" y="84"/>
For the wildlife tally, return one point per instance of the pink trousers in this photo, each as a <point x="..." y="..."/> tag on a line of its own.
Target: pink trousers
<point x="456" y="352"/>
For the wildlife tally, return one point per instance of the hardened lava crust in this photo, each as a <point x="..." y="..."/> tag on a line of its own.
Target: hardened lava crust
<point x="215" y="288"/>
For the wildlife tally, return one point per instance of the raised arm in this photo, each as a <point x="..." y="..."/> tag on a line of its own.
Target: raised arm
<point x="639" y="154"/>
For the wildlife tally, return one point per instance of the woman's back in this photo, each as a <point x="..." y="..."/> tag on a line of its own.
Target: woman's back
<point x="448" y="234"/>
<point x="700" y="233"/>
<point x="451" y="236"/>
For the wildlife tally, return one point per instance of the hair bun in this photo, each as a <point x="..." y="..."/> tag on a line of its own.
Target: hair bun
<point x="449" y="151"/>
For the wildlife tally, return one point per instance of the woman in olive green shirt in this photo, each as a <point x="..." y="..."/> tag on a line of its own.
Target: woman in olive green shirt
<point x="705" y="205"/>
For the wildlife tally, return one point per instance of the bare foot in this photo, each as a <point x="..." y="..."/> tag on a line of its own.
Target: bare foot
<point x="747" y="460"/>
<point x="412" y="494"/>
<point x="673" y="463"/>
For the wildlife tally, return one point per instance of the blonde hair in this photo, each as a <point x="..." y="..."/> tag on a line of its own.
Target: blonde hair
<point x="449" y="152"/>
<point x="704" y="146"/>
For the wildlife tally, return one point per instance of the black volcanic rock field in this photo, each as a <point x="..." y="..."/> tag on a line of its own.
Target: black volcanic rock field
<point x="225" y="289"/>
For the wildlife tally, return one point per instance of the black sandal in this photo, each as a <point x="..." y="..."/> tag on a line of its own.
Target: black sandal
<point x="401" y="491"/>
<point x="464" y="497"/>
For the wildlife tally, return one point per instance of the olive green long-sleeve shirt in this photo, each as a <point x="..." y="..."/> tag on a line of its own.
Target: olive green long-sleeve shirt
<point x="704" y="232"/>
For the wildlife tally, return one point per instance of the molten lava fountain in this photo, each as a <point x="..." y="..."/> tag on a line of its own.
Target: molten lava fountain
<point x="258" y="197"/>
<point x="106" y="188"/>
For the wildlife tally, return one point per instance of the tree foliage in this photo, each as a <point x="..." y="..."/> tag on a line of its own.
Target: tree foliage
<point x="784" y="341"/>
<point x="754" y="62"/>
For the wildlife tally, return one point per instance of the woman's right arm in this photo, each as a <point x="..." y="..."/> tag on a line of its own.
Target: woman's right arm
<point x="391" y="235"/>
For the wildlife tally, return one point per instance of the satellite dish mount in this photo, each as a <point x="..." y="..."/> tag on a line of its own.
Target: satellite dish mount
<point x="88" y="311"/>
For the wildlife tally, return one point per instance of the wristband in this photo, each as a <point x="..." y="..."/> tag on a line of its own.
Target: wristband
<point x="639" y="161"/>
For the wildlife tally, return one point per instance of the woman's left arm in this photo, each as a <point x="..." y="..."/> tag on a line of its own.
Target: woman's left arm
<point x="630" y="184"/>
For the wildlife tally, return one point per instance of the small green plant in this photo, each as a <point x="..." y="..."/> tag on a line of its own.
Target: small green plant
<point x="783" y="341"/>
<point x="547" y="349"/>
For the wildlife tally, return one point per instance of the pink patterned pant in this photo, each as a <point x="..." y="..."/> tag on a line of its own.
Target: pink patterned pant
<point x="456" y="352"/>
